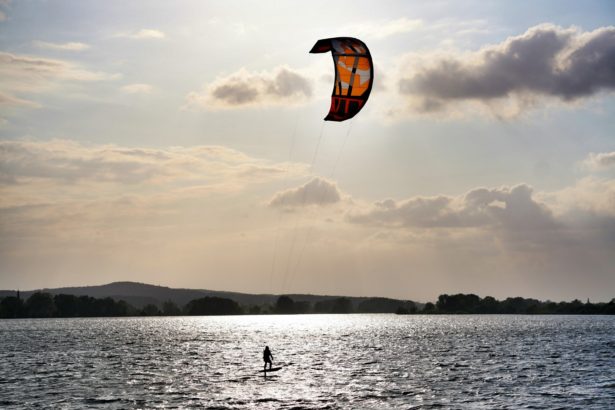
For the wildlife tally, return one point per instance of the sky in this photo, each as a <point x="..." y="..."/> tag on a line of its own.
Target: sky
<point x="183" y="144"/>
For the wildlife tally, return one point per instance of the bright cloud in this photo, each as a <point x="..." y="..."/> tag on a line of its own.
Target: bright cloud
<point x="21" y="74"/>
<point x="68" y="162"/>
<point x="601" y="161"/>
<point x="137" y="88"/>
<point x="70" y="46"/>
<point x="143" y="34"/>
<point x="8" y="100"/>
<point x="22" y="70"/>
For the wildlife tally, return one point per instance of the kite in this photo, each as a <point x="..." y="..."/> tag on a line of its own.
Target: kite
<point x="354" y="75"/>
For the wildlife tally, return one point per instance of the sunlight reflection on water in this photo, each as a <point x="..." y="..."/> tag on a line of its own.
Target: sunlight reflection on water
<point x="330" y="361"/>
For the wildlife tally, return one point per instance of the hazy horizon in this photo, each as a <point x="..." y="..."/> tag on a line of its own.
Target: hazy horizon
<point x="183" y="144"/>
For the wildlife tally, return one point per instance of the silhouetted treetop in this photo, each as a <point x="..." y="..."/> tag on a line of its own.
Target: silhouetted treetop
<point x="211" y="305"/>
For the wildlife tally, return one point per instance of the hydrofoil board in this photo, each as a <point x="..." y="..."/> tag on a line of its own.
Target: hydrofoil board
<point x="273" y="369"/>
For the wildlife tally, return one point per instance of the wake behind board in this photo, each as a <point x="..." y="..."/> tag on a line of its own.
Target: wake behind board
<point x="273" y="369"/>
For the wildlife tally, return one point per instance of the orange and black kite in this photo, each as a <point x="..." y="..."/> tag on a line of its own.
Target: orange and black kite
<point x="354" y="75"/>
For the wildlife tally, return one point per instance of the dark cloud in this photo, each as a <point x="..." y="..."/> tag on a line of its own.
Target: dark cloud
<point x="315" y="192"/>
<point x="288" y="83"/>
<point x="236" y="91"/>
<point x="546" y="60"/>
<point x="513" y="208"/>
<point x="244" y="88"/>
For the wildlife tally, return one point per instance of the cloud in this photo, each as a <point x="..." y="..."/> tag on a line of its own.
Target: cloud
<point x="137" y="88"/>
<point x="545" y="61"/>
<point x="318" y="192"/>
<point x="590" y="196"/>
<point x="244" y="89"/>
<point x="30" y="74"/>
<point x="71" y="46"/>
<point x="512" y="208"/>
<point x="510" y="233"/>
<point x="64" y="203"/>
<point x="68" y="162"/>
<point x="21" y="71"/>
<point x="10" y="100"/>
<point x="2" y="15"/>
<point x="101" y="196"/>
<point x="508" y="237"/>
<point x="601" y="161"/>
<point x="143" y="34"/>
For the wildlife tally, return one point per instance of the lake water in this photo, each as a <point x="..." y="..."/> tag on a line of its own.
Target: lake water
<point x="330" y="361"/>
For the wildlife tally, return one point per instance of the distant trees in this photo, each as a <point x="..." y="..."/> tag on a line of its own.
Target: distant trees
<point x="488" y="304"/>
<point x="150" y="310"/>
<point x="386" y="305"/>
<point x="429" y="308"/>
<point x="169" y="308"/>
<point x="342" y="305"/>
<point x="284" y="305"/>
<point x="44" y="305"/>
<point x="254" y="310"/>
<point x="303" y="306"/>
<point x="11" y="307"/>
<point x="87" y="306"/>
<point x="472" y="304"/>
<point x="458" y="303"/>
<point x="335" y="305"/>
<point x="407" y="308"/>
<point x="41" y="305"/>
<point x="211" y="305"/>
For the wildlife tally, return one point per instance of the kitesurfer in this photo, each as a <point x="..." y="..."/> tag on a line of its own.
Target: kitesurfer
<point x="267" y="357"/>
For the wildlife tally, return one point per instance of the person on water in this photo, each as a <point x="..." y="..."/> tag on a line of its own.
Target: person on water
<point x="267" y="357"/>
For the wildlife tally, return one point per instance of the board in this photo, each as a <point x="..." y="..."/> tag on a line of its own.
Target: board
<point x="273" y="369"/>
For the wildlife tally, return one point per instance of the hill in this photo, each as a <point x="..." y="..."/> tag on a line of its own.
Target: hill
<point x="141" y="294"/>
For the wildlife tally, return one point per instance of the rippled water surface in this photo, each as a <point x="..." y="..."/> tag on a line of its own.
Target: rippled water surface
<point x="330" y="361"/>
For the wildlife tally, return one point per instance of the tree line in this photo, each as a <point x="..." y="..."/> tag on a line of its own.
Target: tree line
<point x="473" y="304"/>
<point x="46" y="305"/>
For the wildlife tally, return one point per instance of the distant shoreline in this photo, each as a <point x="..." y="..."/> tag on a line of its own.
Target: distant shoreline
<point x="311" y="314"/>
<point x="128" y="299"/>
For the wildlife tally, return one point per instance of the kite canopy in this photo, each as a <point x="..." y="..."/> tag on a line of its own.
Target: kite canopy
<point x="354" y="75"/>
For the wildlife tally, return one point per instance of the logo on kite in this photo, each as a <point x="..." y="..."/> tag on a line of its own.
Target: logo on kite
<point x="354" y="75"/>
